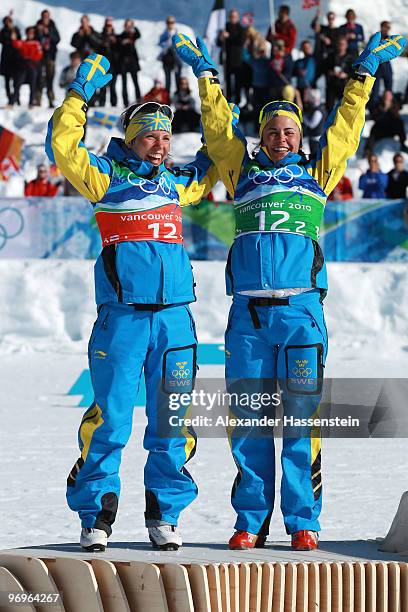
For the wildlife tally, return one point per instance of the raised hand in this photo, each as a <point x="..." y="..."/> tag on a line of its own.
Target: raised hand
<point x="91" y="75"/>
<point x="196" y="56"/>
<point x="378" y="51"/>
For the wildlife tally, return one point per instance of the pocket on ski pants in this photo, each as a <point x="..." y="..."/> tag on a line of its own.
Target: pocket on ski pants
<point x="179" y="369"/>
<point x="304" y="368"/>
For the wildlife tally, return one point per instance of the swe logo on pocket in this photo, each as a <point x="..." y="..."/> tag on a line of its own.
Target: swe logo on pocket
<point x="304" y="371"/>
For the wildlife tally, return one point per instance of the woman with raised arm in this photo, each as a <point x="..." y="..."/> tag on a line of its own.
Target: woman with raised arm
<point x="277" y="277"/>
<point x="143" y="285"/>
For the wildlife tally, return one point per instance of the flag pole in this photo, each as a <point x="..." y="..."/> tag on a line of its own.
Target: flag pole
<point x="224" y="58"/>
<point x="272" y="15"/>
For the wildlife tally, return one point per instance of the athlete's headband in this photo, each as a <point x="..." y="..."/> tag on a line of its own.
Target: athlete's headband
<point x="148" y="117"/>
<point x="279" y="108"/>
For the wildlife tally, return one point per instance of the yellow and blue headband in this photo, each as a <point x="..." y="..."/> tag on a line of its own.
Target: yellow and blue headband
<point x="147" y="122"/>
<point x="279" y="108"/>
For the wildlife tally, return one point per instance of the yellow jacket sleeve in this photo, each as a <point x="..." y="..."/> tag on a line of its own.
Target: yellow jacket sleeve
<point x="225" y="147"/>
<point x="342" y="136"/>
<point x="88" y="173"/>
<point x="196" y="179"/>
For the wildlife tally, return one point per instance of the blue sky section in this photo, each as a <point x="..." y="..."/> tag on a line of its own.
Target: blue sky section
<point x="193" y="13"/>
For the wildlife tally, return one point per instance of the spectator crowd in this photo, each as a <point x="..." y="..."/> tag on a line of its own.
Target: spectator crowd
<point x="257" y="67"/>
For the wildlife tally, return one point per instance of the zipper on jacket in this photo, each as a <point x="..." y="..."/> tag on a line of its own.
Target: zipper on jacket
<point x="163" y="296"/>
<point x="273" y="259"/>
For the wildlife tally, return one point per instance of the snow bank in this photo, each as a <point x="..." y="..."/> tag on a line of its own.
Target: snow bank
<point x="48" y="305"/>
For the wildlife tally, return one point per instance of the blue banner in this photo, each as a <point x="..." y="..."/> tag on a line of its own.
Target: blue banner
<point x="365" y="230"/>
<point x="354" y="230"/>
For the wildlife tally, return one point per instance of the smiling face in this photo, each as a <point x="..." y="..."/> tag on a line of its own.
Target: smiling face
<point x="152" y="146"/>
<point x="280" y="136"/>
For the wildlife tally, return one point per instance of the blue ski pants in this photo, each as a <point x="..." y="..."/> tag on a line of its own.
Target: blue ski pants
<point x="125" y="340"/>
<point x="267" y="341"/>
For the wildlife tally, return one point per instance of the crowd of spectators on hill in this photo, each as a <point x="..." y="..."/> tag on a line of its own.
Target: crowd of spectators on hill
<point x="257" y="67"/>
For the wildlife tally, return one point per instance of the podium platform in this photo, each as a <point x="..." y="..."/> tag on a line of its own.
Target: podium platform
<point x="339" y="576"/>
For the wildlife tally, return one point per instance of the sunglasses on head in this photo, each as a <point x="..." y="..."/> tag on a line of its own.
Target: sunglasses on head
<point x="277" y="105"/>
<point x="152" y="107"/>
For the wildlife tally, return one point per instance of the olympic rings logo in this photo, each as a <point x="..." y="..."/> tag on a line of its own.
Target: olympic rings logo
<point x="181" y="373"/>
<point x="302" y="372"/>
<point x="259" y="176"/>
<point x="283" y="175"/>
<point x="150" y="187"/>
<point x="15" y="227"/>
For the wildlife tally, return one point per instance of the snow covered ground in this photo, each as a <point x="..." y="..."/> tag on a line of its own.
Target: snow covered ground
<point x="46" y="313"/>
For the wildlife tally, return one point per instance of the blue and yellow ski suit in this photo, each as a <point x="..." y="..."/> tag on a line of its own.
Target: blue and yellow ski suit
<point x="277" y="277"/>
<point x="143" y="285"/>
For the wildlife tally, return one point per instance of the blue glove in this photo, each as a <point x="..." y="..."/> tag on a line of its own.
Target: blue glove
<point x="378" y="51"/>
<point x="91" y="75"/>
<point x="195" y="56"/>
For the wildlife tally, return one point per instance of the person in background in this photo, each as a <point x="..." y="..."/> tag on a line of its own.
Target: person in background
<point x="68" y="72"/>
<point x="231" y="40"/>
<point x="157" y="93"/>
<point x="384" y="72"/>
<point x="41" y="186"/>
<point x="397" y="179"/>
<point x="281" y="68"/>
<point x="48" y="36"/>
<point x="373" y="183"/>
<point x="353" y="32"/>
<point x="383" y="105"/>
<point x="86" y="40"/>
<point x="128" y="58"/>
<point x="253" y="39"/>
<point x="9" y="56"/>
<point x="343" y="190"/>
<point x="325" y="35"/>
<point x="337" y="69"/>
<point x="186" y="117"/>
<point x="258" y="58"/>
<point x="30" y="54"/>
<point x="110" y="49"/>
<point x="167" y="56"/>
<point x="285" y="30"/>
<point x="314" y="118"/>
<point x="304" y="69"/>
<point x="388" y="124"/>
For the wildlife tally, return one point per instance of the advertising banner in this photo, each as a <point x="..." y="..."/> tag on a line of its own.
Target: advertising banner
<point x="355" y="230"/>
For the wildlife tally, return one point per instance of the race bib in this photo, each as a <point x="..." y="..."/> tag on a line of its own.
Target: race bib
<point x="281" y="211"/>
<point x="163" y="223"/>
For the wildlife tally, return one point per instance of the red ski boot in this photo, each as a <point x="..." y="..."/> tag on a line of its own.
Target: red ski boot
<point x="305" y="540"/>
<point x="242" y="540"/>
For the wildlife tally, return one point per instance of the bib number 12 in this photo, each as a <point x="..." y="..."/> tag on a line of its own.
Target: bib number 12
<point x="156" y="230"/>
<point x="284" y="216"/>
<point x="275" y="225"/>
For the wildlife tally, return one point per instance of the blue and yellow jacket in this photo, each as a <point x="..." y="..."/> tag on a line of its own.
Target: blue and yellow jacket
<point x="279" y="206"/>
<point x="137" y="209"/>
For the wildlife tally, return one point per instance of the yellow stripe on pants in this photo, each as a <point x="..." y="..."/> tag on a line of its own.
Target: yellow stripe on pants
<point x="89" y="425"/>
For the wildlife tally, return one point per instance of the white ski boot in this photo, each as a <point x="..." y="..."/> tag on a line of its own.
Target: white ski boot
<point x="165" y="537"/>
<point x="93" y="540"/>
